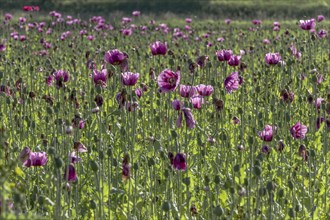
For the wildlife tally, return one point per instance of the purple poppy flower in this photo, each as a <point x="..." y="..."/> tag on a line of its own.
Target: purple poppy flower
<point x="79" y="147"/>
<point x="188" y="20"/>
<point x="227" y="21"/>
<point x="126" y="168"/>
<point x="232" y="82"/>
<point x="294" y="51"/>
<point x="36" y="159"/>
<point x="197" y="101"/>
<point x="8" y="16"/>
<point x="168" y="80"/>
<point x="318" y="102"/>
<point x="234" y="60"/>
<point x="100" y="77"/>
<point x="129" y="78"/>
<point x="136" y="13"/>
<point x="132" y="106"/>
<point x="236" y="120"/>
<point x="320" y="18"/>
<point x="322" y="33"/>
<point x="256" y="22"/>
<point x="177" y="104"/>
<point x="82" y="124"/>
<point x="319" y="78"/>
<point x="307" y="24"/>
<point x="70" y="173"/>
<point x="272" y="58"/>
<point x="126" y="20"/>
<point x="187" y="91"/>
<point x="319" y="120"/>
<point x="266" y="134"/>
<point x="266" y="41"/>
<point x="190" y="121"/>
<point x="61" y="76"/>
<point x="204" y="90"/>
<point x="276" y="28"/>
<point x="224" y="55"/>
<point x="287" y="96"/>
<point x="158" y="48"/>
<point x="90" y="37"/>
<point x="201" y="61"/>
<point x="127" y="32"/>
<point x="265" y="149"/>
<point x="49" y="80"/>
<point x="2" y="47"/>
<point x="276" y="24"/>
<point x="22" y="19"/>
<point x="25" y="154"/>
<point x="179" y="120"/>
<point x="138" y="92"/>
<point x="115" y="57"/>
<point x="298" y="131"/>
<point x="180" y="162"/>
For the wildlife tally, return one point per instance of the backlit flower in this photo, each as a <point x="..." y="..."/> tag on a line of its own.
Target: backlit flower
<point x="266" y="134"/>
<point x="168" y="80"/>
<point x="298" y="131"/>
<point x="158" y="48"/>
<point x="129" y="78"/>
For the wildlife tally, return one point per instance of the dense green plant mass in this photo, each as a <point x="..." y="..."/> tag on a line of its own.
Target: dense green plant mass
<point x="138" y="119"/>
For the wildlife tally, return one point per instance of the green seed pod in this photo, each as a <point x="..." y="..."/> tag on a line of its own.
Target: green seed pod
<point x="58" y="162"/>
<point x="186" y="181"/>
<point x="94" y="165"/>
<point x="166" y="206"/>
<point x="257" y="170"/>
<point x="280" y="193"/>
<point x="218" y="211"/>
<point x="92" y="204"/>
<point x="237" y="168"/>
<point x="217" y="179"/>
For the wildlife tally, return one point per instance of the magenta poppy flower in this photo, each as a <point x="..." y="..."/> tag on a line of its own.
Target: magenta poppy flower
<point x="79" y="147"/>
<point x="187" y="91"/>
<point x="276" y="24"/>
<point x="158" y="48"/>
<point x="232" y="82"/>
<point x="25" y="154"/>
<point x="197" y="101"/>
<point x="227" y="21"/>
<point x="168" y="80"/>
<point x="256" y="22"/>
<point x="266" y="134"/>
<point x="82" y="124"/>
<point x="177" y="104"/>
<point x="49" y="80"/>
<point x="70" y="173"/>
<point x="8" y="16"/>
<point x="126" y="168"/>
<point x="224" y="55"/>
<point x="127" y="32"/>
<point x="295" y="52"/>
<point x="322" y="33"/>
<point x="179" y="162"/>
<point x="36" y="159"/>
<point x="287" y="96"/>
<point x="100" y="77"/>
<point x="22" y="19"/>
<point x="61" y="76"/>
<point x="298" y="131"/>
<point x="276" y="28"/>
<point x="272" y="58"/>
<point x="2" y="47"/>
<point x="266" y="41"/>
<point x="188" y="20"/>
<point x="234" y="60"/>
<point x="320" y="18"/>
<point x="318" y="102"/>
<point x="136" y="13"/>
<point x="129" y="79"/>
<point x="190" y="121"/>
<point x="115" y="57"/>
<point x="307" y="24"/>
<point x="204" y="90"/>
<point x="138" y="92"/>
<point x="126" y="20"/>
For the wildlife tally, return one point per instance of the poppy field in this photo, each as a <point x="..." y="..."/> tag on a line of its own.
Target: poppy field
<point x="137" y="118"/>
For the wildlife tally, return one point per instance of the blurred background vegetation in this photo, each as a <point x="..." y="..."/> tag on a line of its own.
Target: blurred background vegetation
<point x="240" y="9"/>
